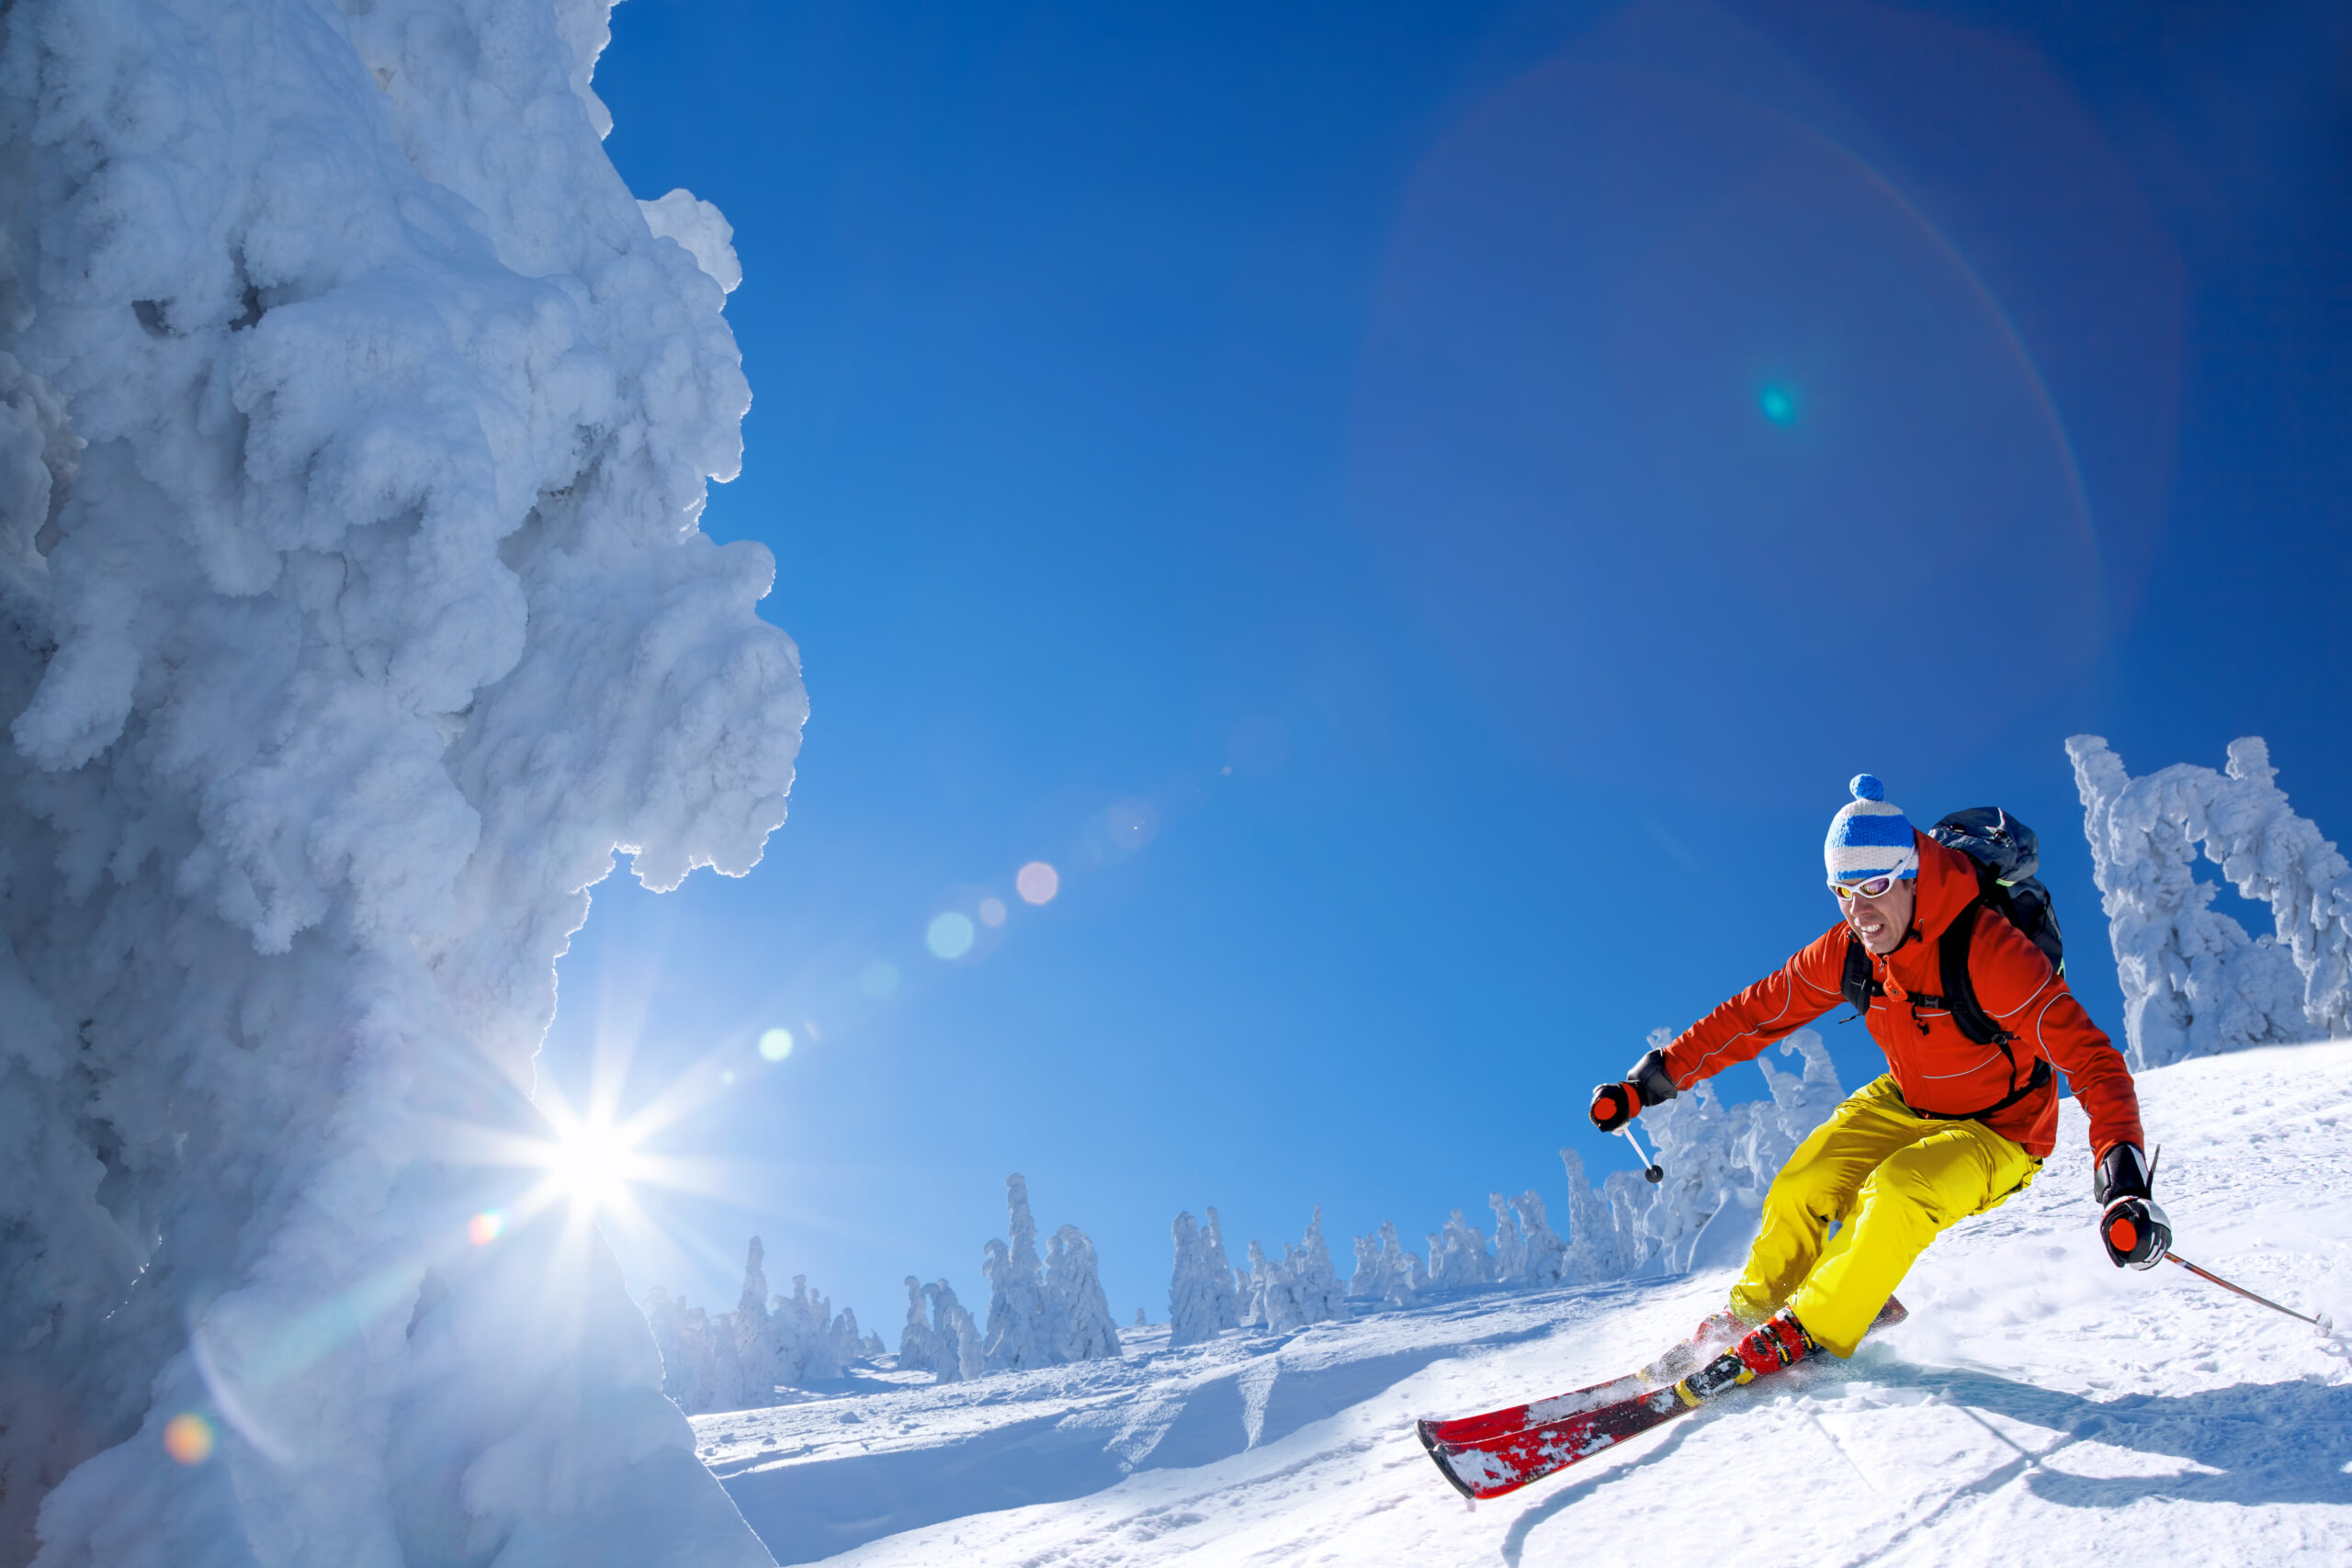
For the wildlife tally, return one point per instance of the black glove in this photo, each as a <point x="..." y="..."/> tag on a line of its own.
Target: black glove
<point x="1614" y="1104"/>
<point x="2132" y="1227"/>
<point x="2136" y="1232"/>
<point x="2122" y="1172"/>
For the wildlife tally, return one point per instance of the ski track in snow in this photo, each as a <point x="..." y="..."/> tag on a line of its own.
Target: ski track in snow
<point x="2039" y="1406"/>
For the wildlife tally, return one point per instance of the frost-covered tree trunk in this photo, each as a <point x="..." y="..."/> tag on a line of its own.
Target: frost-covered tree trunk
<point x="2194" y="982"/>
<point x="353" y="614"/>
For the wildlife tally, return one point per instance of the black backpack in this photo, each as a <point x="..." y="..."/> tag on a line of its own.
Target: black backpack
<point x="2005" y="854"/>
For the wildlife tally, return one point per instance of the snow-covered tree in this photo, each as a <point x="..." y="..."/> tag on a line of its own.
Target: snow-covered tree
<point x="1299" y="1288"/>
<point x="1016" y="1335"/>
<point x="915" y="1346"/>
<point x="1266" y="1299"/>
<point x="1458" y="1256"/>
<point x="1201" y="1297"/>
<point x="354" y="614"/>
<point x="1511" y="1247"/>
<point x="958" y="1352"/>
<point x="737" y="1360"/>
<point x="2194" y="981"/>
<point x="1042" y="1315"/>
<point x="1596" y="1250"/>
<point x="1223" y="1284"/>
<point x="1077" y="1314"/>
<point x="1385" y="1271"/>
<point x="1544" y="1254"/>
<point x="1313" y="1279"/>
<point x="939" y="1336"/>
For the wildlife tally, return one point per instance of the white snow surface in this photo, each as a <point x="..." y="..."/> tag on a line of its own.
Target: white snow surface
<point x="354" y="613"/>
<point x="2040" y="1406"/>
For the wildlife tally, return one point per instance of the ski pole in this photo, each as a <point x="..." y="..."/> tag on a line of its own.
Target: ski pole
<point x="1650" y="1168"/>
<point x="2320" y="1322"/>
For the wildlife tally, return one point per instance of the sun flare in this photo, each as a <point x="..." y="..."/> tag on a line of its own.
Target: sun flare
<point x="593" y="1163"/>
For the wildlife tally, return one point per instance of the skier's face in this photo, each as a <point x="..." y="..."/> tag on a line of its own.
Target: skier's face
<point x="1881" y="921"/>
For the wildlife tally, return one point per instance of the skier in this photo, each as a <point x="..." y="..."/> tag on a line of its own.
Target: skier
<point x="1953" y="1130"/>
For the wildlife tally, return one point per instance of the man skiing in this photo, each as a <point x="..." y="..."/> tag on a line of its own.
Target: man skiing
<point x="1963" y="1119"/>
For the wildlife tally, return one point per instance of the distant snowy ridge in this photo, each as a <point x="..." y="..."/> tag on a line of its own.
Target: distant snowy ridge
<point x="353" y="614"/>
<point x="2194" y="982"/>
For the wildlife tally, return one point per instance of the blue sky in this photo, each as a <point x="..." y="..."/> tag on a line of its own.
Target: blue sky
<point x="1416" y="511"/>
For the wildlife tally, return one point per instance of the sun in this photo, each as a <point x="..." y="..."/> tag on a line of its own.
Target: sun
<point x="593" y="1163"/>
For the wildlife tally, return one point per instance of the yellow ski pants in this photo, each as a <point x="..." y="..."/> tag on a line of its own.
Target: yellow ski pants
<point x="1892" y="1182"/>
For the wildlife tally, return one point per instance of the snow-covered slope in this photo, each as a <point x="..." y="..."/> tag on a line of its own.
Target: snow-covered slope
<point x="2039" y="1406"/>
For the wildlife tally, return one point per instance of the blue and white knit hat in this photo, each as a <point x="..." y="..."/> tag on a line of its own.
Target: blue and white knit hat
<point x="1869" y="838"/>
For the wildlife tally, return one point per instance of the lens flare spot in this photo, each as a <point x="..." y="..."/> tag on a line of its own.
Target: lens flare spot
<point x="775" y="1044"/>
<point x="1037" y="883"/>
<point x="188" y="1438"/>
<point x="878" y="978"/>
<point x="1778" y="403"/>
<point x="950" y="934"/>
<point x="1131" y="823"/>
<point x="486" y="1228"/>
<point x="992" y="911"/>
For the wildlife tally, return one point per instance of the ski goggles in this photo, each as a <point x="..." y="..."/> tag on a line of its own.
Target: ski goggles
<point x="1870" y="887"/>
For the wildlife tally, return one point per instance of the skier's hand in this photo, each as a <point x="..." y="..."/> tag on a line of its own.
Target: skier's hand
<point x="1650" y="1079"/>
<point x="1614" y="1104"/>
<point x="2122" y="1172"/>
<point x="2136" y="1232"/>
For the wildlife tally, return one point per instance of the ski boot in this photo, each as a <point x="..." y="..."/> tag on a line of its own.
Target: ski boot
<point x="1721" y="1329"/>
<point x="1779" y="1341"/>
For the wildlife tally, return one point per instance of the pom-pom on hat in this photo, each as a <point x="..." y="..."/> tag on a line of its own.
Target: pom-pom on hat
<point x="1869" y="838"/>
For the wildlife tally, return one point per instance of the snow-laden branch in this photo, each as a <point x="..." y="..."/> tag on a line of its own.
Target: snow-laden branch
<point x="2194" y="981"/>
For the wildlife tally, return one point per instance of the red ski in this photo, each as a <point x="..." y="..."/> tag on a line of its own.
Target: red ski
<point x="1491" y="1455"/>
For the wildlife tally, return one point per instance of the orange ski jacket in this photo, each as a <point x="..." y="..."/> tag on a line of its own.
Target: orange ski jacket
<point x="1939" y="1069"/>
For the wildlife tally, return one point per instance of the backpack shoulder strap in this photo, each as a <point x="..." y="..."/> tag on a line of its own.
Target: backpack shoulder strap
<point x="1856" y="984"/>
<point x="1959" y="990"/>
